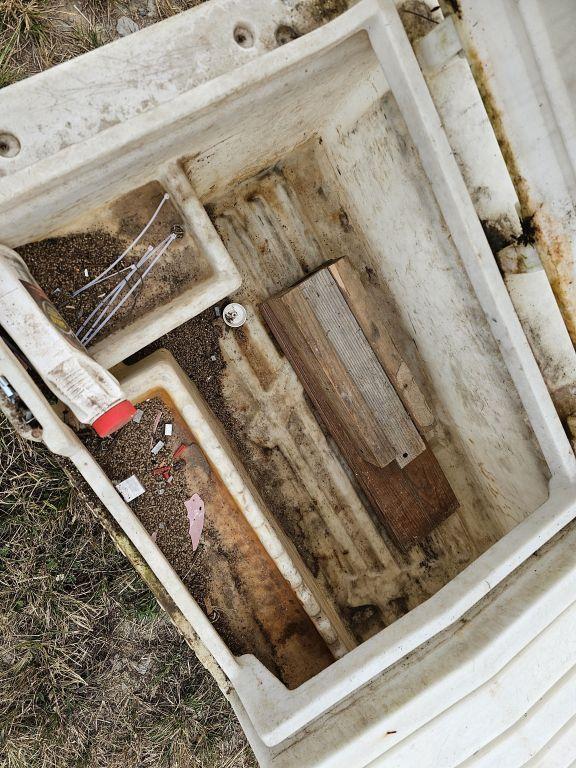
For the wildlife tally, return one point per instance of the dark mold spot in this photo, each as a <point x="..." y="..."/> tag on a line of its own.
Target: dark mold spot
<point x="497" y="239"/>
<point x="285" y="34"/>
<point x="528" y="236"/>
<point x="455" y="6"/>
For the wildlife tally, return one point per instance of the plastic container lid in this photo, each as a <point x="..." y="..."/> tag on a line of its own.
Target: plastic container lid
<point x="114" y="418"/>
<point x="234" y="315"/>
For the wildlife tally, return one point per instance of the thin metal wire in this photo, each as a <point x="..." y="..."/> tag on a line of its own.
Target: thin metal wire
<point x="106" y="300"/>
<point x="114" y="293"/>
<point x="112" y="274"/>
<point x="126" y="252"/>
<point x="163" y="248"/>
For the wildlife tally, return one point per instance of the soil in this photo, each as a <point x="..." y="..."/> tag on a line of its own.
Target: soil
<point x="230" y="574"/>
<point x="195" y="346"/>
<point x="58" y="263"/>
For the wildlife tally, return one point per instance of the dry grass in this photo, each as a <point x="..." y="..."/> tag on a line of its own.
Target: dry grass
<point x="8" y="75"/>
<point x="26" y="29"/>
<point x="166" y="8"/>
<point x="89" y="30"/>
<point x="92" y="674"/>
<point x="29" y="20"/>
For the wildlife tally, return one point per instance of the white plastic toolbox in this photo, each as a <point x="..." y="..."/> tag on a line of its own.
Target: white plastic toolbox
<point x="347" y="103"/>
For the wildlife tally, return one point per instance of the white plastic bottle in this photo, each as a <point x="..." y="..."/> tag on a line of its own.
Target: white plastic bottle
<point x="35" y="325"/>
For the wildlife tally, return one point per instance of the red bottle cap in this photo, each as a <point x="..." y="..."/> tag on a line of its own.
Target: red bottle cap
<point x="114" y="418"/>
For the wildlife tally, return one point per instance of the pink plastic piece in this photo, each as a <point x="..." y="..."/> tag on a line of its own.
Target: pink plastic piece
<point x="195" y="507"/>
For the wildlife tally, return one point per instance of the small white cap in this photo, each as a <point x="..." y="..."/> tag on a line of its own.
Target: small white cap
<point x="234" y="315"/>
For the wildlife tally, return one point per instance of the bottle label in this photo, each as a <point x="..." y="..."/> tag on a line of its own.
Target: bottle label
<point x="52" y="313"/>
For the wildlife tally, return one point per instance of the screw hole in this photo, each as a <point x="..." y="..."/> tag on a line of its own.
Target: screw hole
<point x="243" y="36"/>
<point x="284" y="34"/>
<point x="9" y="145"/>
<point x="404" y="455"/>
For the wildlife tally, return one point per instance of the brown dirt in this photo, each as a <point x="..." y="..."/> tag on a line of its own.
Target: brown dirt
<point x="58" y="263"/>
<point x="230" y="575"/>
<point x="68" y="28"/>
<point x="326" y="10"/>
<point x="417" y="19"/>
<point x="193" y="346"/>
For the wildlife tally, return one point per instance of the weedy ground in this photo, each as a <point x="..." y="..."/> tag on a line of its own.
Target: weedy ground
<point x="92" y="673"/>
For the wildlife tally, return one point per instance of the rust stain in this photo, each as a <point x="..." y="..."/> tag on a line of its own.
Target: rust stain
<point x="555" y="249"/>
<point x="539" y="225"/>
<point x="482" y="77"/>
<point x="257" y="610"/>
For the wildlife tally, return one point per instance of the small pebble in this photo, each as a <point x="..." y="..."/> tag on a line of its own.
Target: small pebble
<point x="142" y="12"/>
<point x="144" y="665"/>
<point x="126" y="26"/>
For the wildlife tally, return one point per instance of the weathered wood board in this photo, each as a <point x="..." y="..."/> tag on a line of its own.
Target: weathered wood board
<point x="400" y="475"/>
<point x="382" y="343"/>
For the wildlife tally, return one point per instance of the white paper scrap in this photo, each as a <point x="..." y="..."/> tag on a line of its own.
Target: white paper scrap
<point x="167" y="430"/>
<point x="158" y="447"/>
<point x="130" y="488"/>
<point x="137" y="418"/>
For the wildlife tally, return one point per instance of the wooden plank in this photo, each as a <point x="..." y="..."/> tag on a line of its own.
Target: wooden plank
<point x="382" y="343"/>
<point x="352" y="411"/>
<point x="411" y="500"/>
<point x="345" y="336"/>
